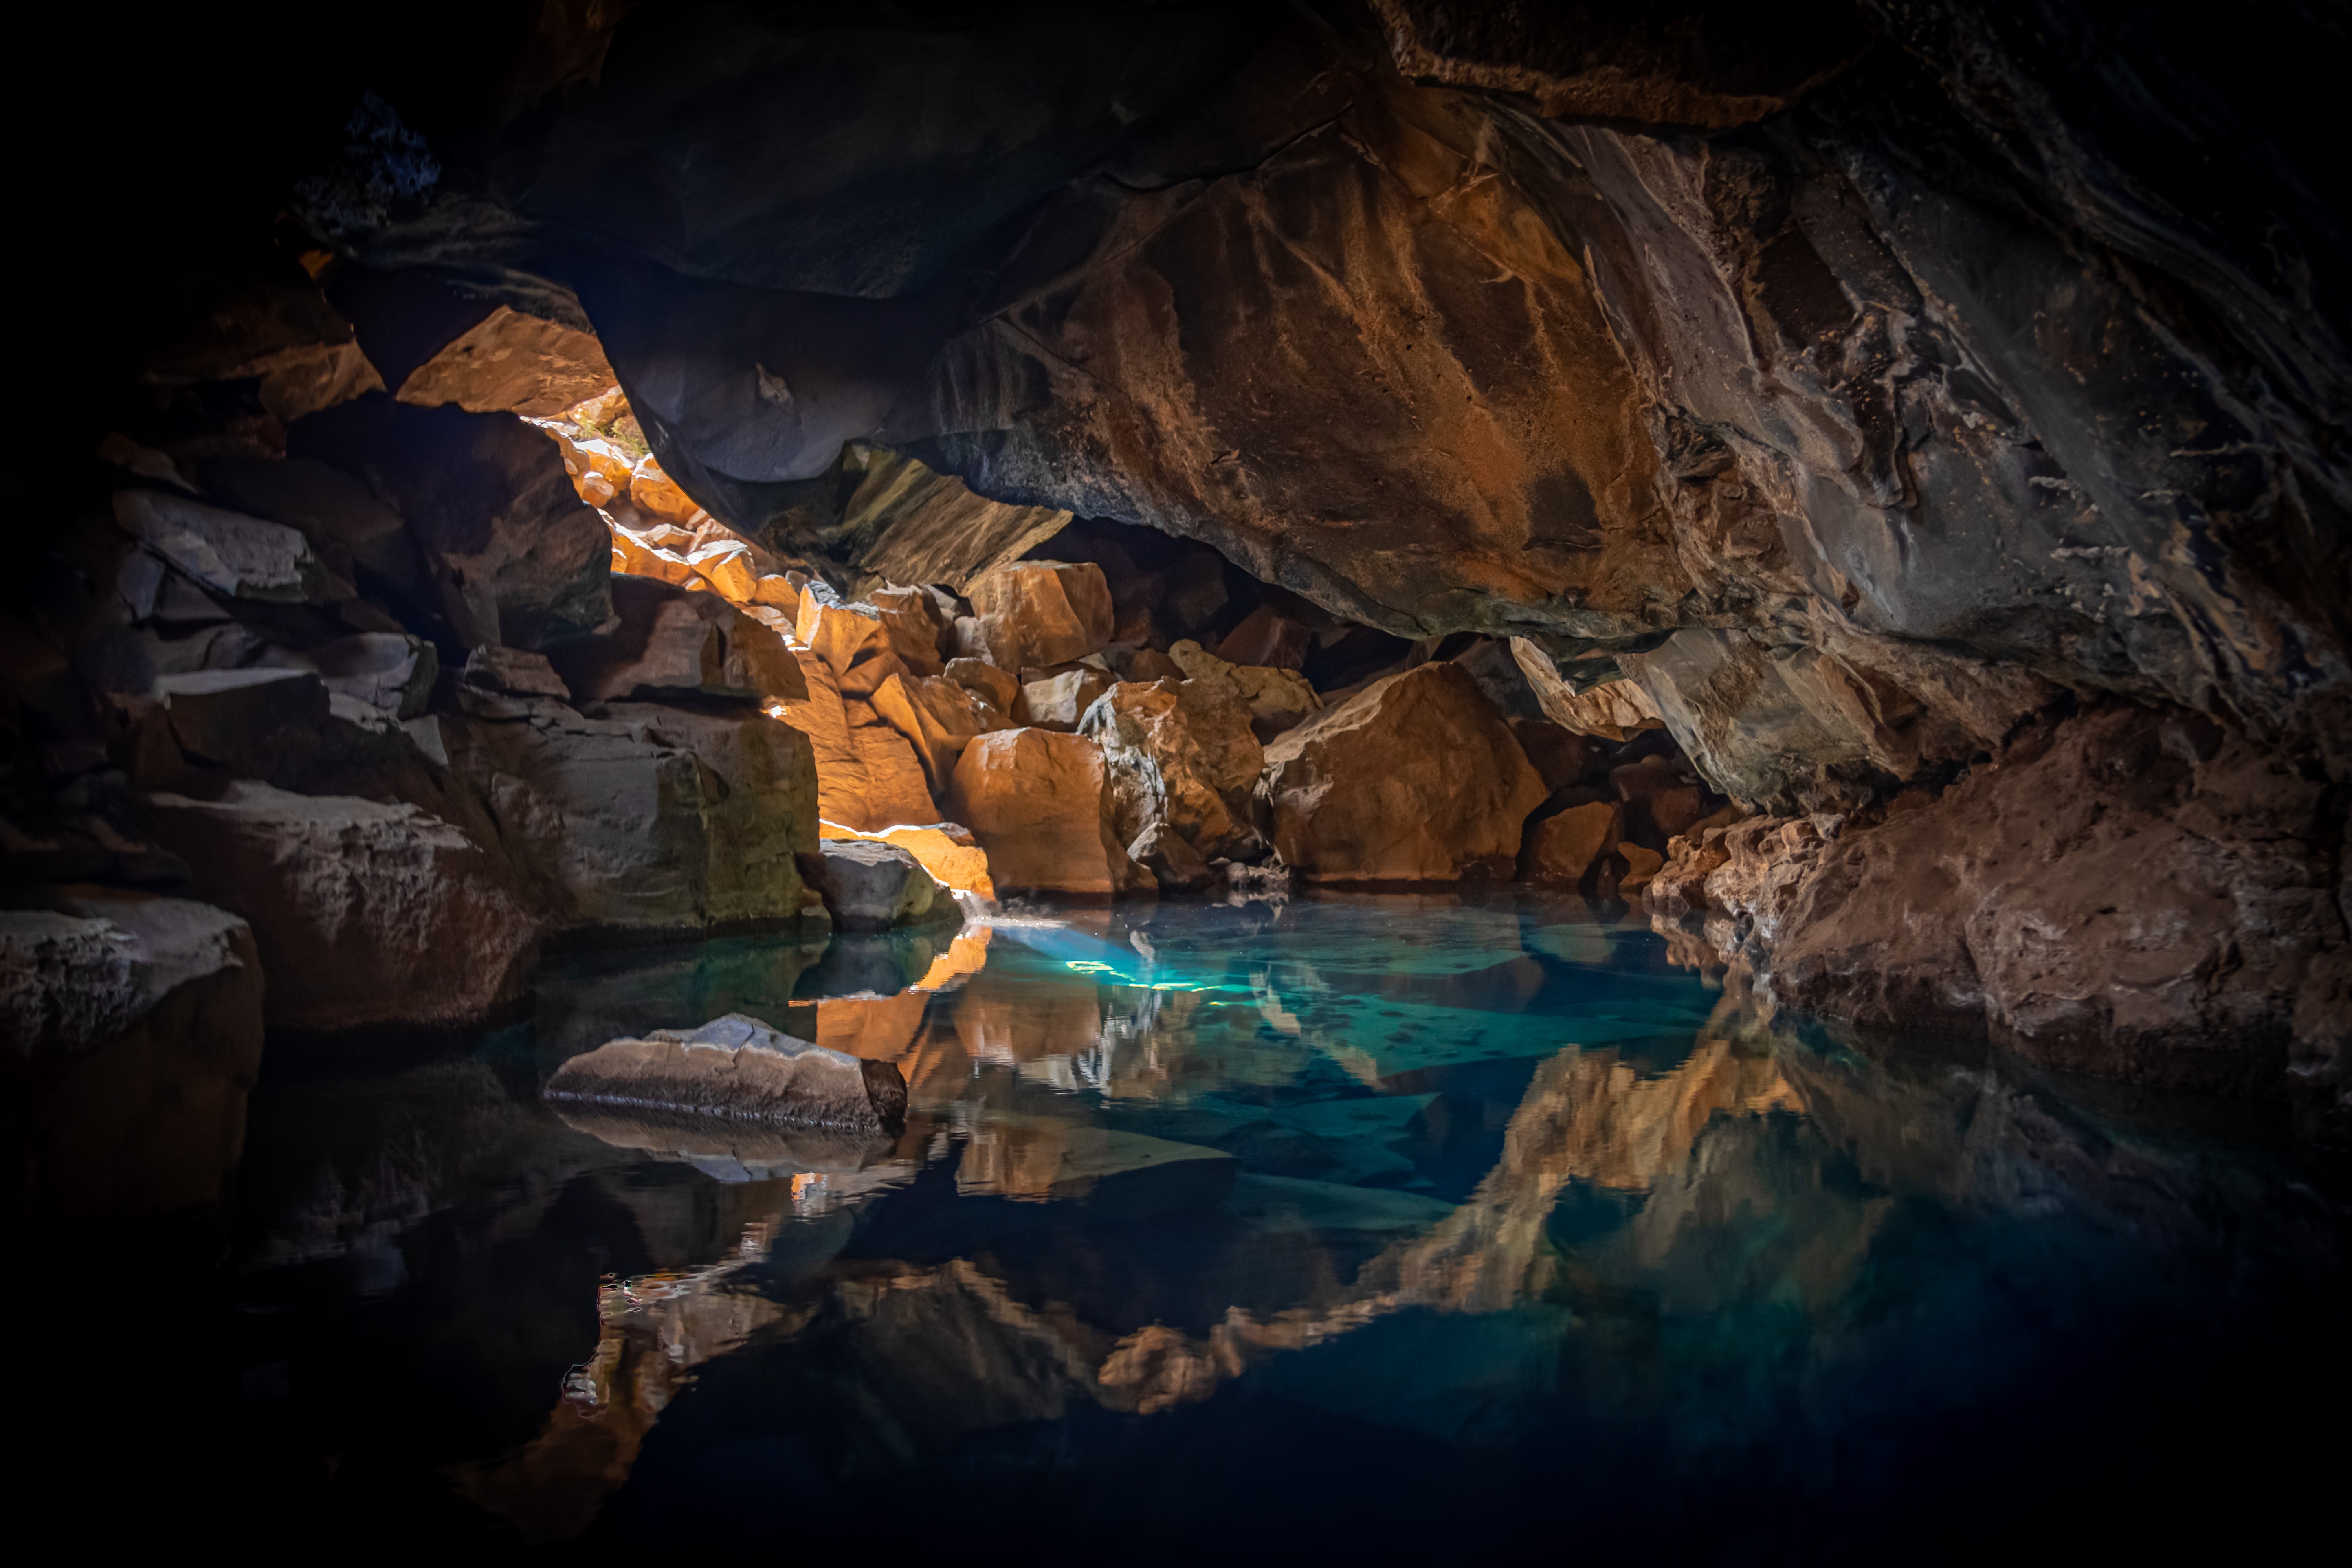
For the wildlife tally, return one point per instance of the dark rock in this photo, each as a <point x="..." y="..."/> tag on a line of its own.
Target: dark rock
<point x="1170" y="857"/>
<point x="740" y="1069"/>
<point x="242" y="557"/>
<point x="871" y="885"/>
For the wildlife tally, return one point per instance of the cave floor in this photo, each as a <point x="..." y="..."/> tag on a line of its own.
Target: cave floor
<point x="1371" y="1224"/>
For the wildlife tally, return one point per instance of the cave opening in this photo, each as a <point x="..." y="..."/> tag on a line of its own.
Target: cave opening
<point x="1074" y="775"/>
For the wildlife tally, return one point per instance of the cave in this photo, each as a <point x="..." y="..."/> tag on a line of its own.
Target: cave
<point x="1151" y="781"/>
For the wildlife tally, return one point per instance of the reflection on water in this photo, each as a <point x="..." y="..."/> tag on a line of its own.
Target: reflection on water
<point x="1369" y="1224"/>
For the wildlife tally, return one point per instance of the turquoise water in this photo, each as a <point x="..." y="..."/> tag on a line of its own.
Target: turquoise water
<point x="1370" y="1226"/>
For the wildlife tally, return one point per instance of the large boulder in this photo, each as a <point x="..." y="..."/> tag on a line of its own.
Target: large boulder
<point x="939" y="718"/>
<point x="364" y="913"/>
<point x="1033" y="613"/>
<point x="1040" y="803"/>
<point x="1160" y="771"/>
<point x="650" y="819"/>
<point x="740" y="1069"/>
<point x="1276" y="700"/>
<point x="518" y="557"/>
<point x="868" y="775"/>
<point x="1415" y="779"/>
<point x="870" y="885"/>
<point x="947" y="850"/>
<point x="133" y="1029"/>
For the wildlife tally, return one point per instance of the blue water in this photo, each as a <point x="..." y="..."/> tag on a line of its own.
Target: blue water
<point x="1448" y="1228"/>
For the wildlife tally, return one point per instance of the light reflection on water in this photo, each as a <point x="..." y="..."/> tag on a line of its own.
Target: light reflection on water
<point x="1365" y="1224"/>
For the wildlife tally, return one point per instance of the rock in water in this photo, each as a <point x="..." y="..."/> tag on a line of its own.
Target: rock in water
<point x="1040" y="803"/>
<point x="1415" y="779"/>
<point x="1563" y="848"/>
<point x="364" y="913"/>
<point x="1164" y="852"/>
<point x="874" y="885"/>
<point x="1159" y="770"/>
<point x="132" y="1027"/>
<point x="740" y="1069"/>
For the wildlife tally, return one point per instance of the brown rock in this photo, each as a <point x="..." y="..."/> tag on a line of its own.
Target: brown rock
<point x="894" y="794"/>
<point x="1039" y="801"/>
<point x="939" y="718"/>
<point x="737" y="1069"/>
<point x="1038" y="613"/>
<point x="916" y="627"/>
<point x="947" y="850"/>
<point x="673" y="642"/>
<point x="837" y="633"/>
<point x="1171" y="859"/>
<point x="655" y="494"/>
<point x="281" y="332"/>
<point x="364" y="913"/>
<point x="1641" y="865"/>
<point x="1416" y="779"/>
<point x="1160" y="771"/>
<point x="1266" y="638"/>
<point x="1561" y="756"/>
<point x="1276" y="700"/>
<point x="1000" y="687"/>
<point x="1611" y="710"/>
<point x="1565" y="847"/>
<point x="133" y="1029"/>
<point x="904" y="523"/>
<point x="514" y="363"/>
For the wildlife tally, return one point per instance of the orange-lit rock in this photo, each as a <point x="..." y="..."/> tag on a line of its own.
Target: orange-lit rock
<point x="634" y="556"/>
<point x="1000" y="688"/>
<point x="1416" y="779"/>
<point x="673" y="642"/>
<point x="1276" y="700"/>
<point x="657" y="495"/>
<point x="1641" y="865"/>
<point x="1039" y="801"/>
<point x="1159" y="769"/>
<point x="1613" y="710"/>
<point x="1058" y="701"/>
<point x="1562" y="849"/>
<point x="730" y="567"/>
<point x="1266" y="639"/>
<point x="939" y="718"/>
<point x="947" y="849"/>
<point x="837" y="633"/>
<point x="1032" y="613"/>
<point x="916" y="627"/>
<point x="514" y="363"/>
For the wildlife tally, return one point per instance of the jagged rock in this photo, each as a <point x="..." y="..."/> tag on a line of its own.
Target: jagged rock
<point x="1611" y="709"/>
<point x="280" y="331"/>
<point x="1494" y="664"/>
<point x="1040" y="803"/>
<point x="133" y="1028"/>
<point x="1058" y="701"/>
<point x="1642" y="864"/>
<point x="947" y="850"/>
<point x="1416" y="779"/>
<point x="519" y="559"/>
<point x="1171" y="859"/>
<point x="669" y="642"/>
<point x="836" y="631"/>
<point x="916" y="627"/>
<point x="739" y="1070"/>
<point x="655" y="494"/>
<point x="730" y="567"/>
<point x="1000" y="688"/>
<point x="650" y="819"/>
<point x="1036" y="612"/>
<point x="364" y="913"/>
<point x="510" y="669"/>
<point x="884" y="516"/>
<point x="232" y="716"/>
<point x="389" y="672"/>
<point x="1566" y="847"/>
<point x="1277" y="699"/>
<point x="876" y="886"/>
<point x="939" y="718"/>
<point x="243" y="557"/>
<point x="1160" y="771"/>
<point x="514" y="363"/>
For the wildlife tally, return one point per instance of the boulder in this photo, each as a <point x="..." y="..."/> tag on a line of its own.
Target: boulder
<point x="363" y="913"/>
<point x="732" y="568"/>
<point x="670" y="643"/>
<point x="655" y="494"/>
<point x="239" y="556"/>
<point x="1000" y="687"/>
<point x="867" y="773"/>
<point x="1415" y="779"/>
<point x="1266" y="638"/>
<point x="838" y="633"/>
<point x="347" y="524"/>
<point x="947" y="850"/>
<point x="870" y="885"/>
<point x="390" y="672"/>
<point x="1276" y="701"/>
<point x="519" y="559"/>
<point x="1160" y="771"/>
<point x="1036" y="612"/>
<point x="1058" y="700"/>
<point x="649" y="819"/>
<point x="512" y="363"/>
<point x="939" y="718"/>
<point x="1039" y="801"/>
<point x="1565" y="847"/>
<point x="132" y="1027"/>
<point x="737" y="1069"/>
<point x="1171" y="860"/>
<point x="916" y="627"/>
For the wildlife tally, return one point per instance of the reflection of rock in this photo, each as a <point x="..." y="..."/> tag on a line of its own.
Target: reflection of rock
<point x="132" y="1032"/>
<point x="1040" y="803"/>
<point x="736" y="1069"/>
<point x="734" y="1147"/>
<point x="1414" y="779"/>
<point x="1126" y="1174"/>
<point x="364" y="913"/>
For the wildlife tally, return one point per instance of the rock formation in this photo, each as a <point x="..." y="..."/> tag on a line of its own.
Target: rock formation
<point x="737" y="1069"/>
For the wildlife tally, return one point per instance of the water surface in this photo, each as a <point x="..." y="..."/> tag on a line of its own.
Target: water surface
<point x="1374" y="1226"/>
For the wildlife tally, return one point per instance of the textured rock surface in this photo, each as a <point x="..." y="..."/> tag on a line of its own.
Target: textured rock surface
<point x="1414" y="779"/>
<point x="875" y="886"/>
<point x="2138" y="894"/>
<point x="947" y="850"/>
<point x="651" y="819"/>
<point x="737" y="1069"/>
<point x="1277" y="699"/>
<point x="133" y="1029"/>
<point x="1161" y="772"/>
<point x="364" y="914"/>
<point x="513" y="363"/>
<point x="1038" y="613"/>
<point x="243" y="557"/>
<point x="1040" y="803"/>
<point x="1567" y="848"/>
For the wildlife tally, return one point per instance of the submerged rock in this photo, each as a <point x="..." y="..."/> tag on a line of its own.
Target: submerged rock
<point x="1415" y="779"/>
<point x="737" y="1069"/>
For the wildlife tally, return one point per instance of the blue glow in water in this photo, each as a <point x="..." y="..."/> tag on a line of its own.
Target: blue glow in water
<point x="1451" y="1228"/>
